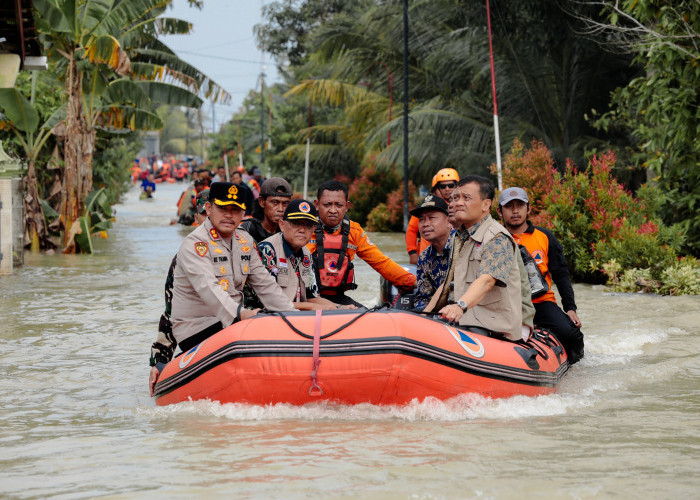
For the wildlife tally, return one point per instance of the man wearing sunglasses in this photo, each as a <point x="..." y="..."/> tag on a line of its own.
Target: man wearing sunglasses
<point x="444" y="182"/>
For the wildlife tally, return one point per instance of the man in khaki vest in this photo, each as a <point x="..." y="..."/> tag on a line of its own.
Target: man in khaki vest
<point x="484" y="269"/>
<point x="286" y="257"/>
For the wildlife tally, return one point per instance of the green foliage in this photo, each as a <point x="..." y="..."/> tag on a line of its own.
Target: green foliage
<point x="389" y="216"/>
<point x="533" y="167"/>
<point x="380" y="220"/>
<point x="681" y="277"/>
<point x="661" y="107"/>
<point x="371" y="187"/>
<point x="601" y="226"/>
<point x="112" y="161"/>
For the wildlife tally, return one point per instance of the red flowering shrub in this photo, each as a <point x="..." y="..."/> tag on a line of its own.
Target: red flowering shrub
<point x="389" y="216"/>
<point x="369" y="189"/>
<point x="532" y="169"/>
<point x="593" y="216"/>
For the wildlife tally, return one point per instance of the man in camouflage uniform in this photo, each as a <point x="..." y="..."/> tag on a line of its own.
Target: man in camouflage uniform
<point x="210" y="269"/>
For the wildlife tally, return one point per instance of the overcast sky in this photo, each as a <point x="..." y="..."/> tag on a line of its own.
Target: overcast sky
<point x="222" y="45"/>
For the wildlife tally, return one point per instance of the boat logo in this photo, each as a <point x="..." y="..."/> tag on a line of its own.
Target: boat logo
<point x="189" y="355"/>
<point x="201" y="248"/>
<point x="223" y="283"/>
<point x="469" y="343"/>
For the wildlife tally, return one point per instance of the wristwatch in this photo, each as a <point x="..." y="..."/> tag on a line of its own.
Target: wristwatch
<point x="463" y="305"/>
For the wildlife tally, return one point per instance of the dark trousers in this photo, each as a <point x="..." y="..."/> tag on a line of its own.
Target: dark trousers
<point x="200" y="337"/>
<point x="549" y="315"/>
<point x="342" y="299"/>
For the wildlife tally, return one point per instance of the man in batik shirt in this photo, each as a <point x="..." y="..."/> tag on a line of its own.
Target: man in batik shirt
<point x="433" y="262"/>
<point x="486" y="274"/>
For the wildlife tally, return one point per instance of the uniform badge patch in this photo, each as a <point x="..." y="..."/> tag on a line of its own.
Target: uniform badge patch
<point x="245" y="249"/>
<point x="245" y="268"/>
<point x="223" y="283"/>
<point x="538" y="257"/>
<point x="213" y="243"/>
<point x="242" y="241"/>
<point x="304" y="207"/>
<point x="214" y="234"/>
<point x="268" y="255"/>
<point x="306" y="262"/>
<point x="218" y="250"/>
<point x="223" y="269"/>
<point x="201" y="248"/>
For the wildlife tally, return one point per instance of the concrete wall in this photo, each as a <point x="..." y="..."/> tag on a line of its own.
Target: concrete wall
<point x="11" y="225"/>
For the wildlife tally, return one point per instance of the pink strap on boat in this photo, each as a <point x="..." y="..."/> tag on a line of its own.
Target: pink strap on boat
<point x="315" y="390"/>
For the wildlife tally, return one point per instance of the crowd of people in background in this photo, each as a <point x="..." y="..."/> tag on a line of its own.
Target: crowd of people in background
<point x="257" y="244"/>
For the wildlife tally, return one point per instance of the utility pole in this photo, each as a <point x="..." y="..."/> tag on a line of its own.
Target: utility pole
<point x="262" y="120"/>
<point x="187" y="130"/>
<point x="405" y="115"/>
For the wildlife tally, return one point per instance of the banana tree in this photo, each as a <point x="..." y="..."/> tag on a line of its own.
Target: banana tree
<point x="19" y="115"/>
<point x="94" y="42"/>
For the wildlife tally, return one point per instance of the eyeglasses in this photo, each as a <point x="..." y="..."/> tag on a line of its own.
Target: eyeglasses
<point x="448" y="185"/>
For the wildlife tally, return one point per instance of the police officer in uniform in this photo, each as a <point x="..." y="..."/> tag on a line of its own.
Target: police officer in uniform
<point x="213" y="264"/>
<point x="286" y="257"/>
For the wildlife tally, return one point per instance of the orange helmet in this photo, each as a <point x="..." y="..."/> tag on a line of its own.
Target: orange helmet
<point x="432" y="185"/>
<point x="446" y="174"/>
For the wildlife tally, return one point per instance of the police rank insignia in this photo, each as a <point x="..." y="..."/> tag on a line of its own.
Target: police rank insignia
<point x="201" y="248"/>
<point x="223" y="283"/>
<point x="242" y="241"/>
<point x="214" y="234"/>
<point x="218" y="250"/>
<point x="223" y="269"/>
<point x="245" y="268"/>
<point x="245" y="249"/>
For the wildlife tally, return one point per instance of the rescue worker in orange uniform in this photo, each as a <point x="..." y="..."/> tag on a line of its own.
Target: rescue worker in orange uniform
<point x="336" y="242"/>
<point x="547" y="252"/>
<point x="444" y="182"/>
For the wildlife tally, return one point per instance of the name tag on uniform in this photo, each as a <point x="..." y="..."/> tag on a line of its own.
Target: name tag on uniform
<point x="223" y="258"/>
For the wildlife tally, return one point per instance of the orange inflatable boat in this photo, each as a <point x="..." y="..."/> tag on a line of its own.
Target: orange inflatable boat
<point x="381" y="356"/>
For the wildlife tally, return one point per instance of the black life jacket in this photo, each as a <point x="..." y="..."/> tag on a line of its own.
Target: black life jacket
<point x="538" y="283"/>
<point x="335" y="271"/>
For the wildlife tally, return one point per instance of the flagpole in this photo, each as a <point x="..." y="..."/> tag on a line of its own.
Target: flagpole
<point x="495" y="103"/>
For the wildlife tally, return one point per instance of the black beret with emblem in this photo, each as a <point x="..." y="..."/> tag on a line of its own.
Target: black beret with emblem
<point x="300" y="210"/>
<point x="430" y="202"/>
<point x="226" y="193"/>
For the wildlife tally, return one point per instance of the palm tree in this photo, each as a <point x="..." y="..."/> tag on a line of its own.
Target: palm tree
<point x="115" y="71"/>
<point x="548" y="78"/>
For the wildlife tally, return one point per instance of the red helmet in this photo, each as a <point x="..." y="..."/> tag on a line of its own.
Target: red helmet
<point x="444" y="175"/>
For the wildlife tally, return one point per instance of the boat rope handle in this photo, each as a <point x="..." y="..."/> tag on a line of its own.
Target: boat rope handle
<point x="315" y="390"/>
<point x="339" y="329"/>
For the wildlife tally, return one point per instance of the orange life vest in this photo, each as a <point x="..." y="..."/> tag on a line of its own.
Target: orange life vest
<point x="336" y="272"/>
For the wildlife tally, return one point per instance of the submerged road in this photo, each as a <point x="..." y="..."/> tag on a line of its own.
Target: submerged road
<point x="75" y="332"/>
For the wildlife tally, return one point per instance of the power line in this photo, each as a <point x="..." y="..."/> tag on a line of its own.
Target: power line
<point x="217" y="57"/>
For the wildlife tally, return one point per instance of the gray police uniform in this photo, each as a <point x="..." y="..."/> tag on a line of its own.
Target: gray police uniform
<point x="209" y="279"/>
<point x="298" y="287"/>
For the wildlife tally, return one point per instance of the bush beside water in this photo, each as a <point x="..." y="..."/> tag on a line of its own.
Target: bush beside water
<point x="606" y="231"/>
